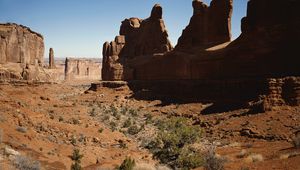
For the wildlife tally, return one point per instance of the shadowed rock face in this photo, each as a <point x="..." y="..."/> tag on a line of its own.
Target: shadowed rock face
<point x="18" y="44"/>
<point x="266" y="47"/>
<point x="137" y="38"/>
<point x="263" y="58"/>
<point x="208" y="26"/>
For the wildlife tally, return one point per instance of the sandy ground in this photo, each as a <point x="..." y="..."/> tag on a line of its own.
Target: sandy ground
<point x="47" y="121"/>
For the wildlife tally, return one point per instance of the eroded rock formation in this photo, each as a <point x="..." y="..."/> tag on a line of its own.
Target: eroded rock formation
<point x="82" y="69"/>
<point x="51" y="59"/>
<point x="19" y="44"/>
<point x="204" y="67"/>
<point x="21" y="54"/>
<point x="137" y="38"/>
<point x="209" y="25"/>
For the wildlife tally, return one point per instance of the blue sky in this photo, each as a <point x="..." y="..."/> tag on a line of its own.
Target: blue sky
<point x="78" y="28"/>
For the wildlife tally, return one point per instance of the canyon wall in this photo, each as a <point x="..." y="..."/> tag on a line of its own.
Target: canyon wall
<point x="19" y="44"/>
<point x="82" y="69"/>
<point x="206" y="66"/>
<point x="21" y="54"/>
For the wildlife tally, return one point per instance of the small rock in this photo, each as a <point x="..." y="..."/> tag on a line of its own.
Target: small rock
<point x="9" y="152"/>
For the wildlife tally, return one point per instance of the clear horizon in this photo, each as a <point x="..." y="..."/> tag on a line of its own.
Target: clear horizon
<point x="74" y="28"/>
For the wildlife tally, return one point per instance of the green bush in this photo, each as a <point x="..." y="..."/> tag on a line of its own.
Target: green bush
<point x="76" y="158"/>
<point x="127" y="164"/>
<point x="100" y="130"/>
<point x="127" y="123"/>
<point x="133" y="130"/>
<point x="133" y="112"/>
<point x="113" y="126"/>
<point x="171" y="146"/>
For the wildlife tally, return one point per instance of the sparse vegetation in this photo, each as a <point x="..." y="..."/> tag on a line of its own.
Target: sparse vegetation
<point x="133" y="130"/>
<point x="296" y="141"/>
<point x="25" y="163"/>
<point x="93" y="112"/>
<point x="73" y="140"/>
<point x="76" y="158"/>
<point x="127" y="123"/>
<point x="127" y="164"/>
<point x="212" y="161"/>
<point x="133" y="112"/>
<point x="75" y="121"/>
<point x="113" y="126"/>
<point x="60" y="119"/>
<point x="172" y="145"/>
<point x="100" y="130"/>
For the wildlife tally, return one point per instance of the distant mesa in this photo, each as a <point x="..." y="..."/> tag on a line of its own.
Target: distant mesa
<point x="82" y="69"/>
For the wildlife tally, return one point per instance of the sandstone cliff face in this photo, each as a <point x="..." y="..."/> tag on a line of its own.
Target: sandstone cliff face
<point x="266" y="48"/>
<point x="82" y="69"/>
<point x="137" y="38"/>
<point x="18" y="44"/>
<point x="263" y="61"/>
<point x="208" y="26"/>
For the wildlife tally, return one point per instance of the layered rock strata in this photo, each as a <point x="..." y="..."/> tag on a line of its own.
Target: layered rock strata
<point x="82" y="69"/>
<point x="257" y="66"/>
<point x="19" y="44"/>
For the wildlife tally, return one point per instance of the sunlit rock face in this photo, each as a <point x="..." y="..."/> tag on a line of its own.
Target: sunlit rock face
<point x="137" y="38"/>
<point x="19" y="44"/>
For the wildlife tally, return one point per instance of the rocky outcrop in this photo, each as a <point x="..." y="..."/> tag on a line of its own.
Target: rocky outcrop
<point x="19" y="44"/>
<point x="51" y="59"/>
<point x="209" y="25"/>
<point x="206" y="67"/>
<point x="137" y="38"/>
<point x="112" y="69"/>
<point x="82" y="69"/>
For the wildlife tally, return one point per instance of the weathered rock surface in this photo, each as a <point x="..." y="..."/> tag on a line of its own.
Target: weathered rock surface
<point x="204" y="65"/>
<point x="51" y="59"/>
<point x="137" y="38"/>
<point x="19" y="44"/>
<point x="82" y="69"/>
<point x="208" y="26"/>
<point x="21" y="54"/>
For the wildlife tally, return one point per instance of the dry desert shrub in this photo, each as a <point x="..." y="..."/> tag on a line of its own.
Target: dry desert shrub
<point x="212" y="161"/>
<point x="26" y="163"/>
<point x="127" y="164"/>
<point x="296" y="140"/>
